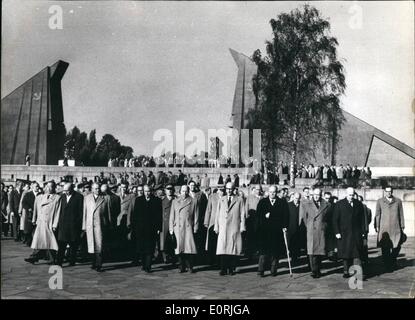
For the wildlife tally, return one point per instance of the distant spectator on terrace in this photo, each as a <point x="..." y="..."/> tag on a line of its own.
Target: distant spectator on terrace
<point x="220" y="180"/>
<point x="340" y="173"/>
<point x="205" y="182"/>
<point x="311" y="171"/>
<point x="27" y="160"/>
<point x="236" y="180"/>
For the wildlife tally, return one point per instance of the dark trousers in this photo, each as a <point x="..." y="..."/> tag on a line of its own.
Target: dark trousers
<point x="347" y="263"/>
<point x="228" y="263"/>
<point x="97" y="260"/>
<point x="263" y="260"/>
<point x="16" y="226"/>
<point x="294" y="246"/>
<point x="186" y="261"/>
<point x="72" y="251"/>
<point x="200" y="240"/>
<point x="315" y="264"/>
<point x="49" y="255"/>
<point x="389" y="255"/>
<point x="146" y="259"/>
<point x="249" y="238"/>
<point x="27" y="237"/>
<point x="212" y="244"/>
<point x="5" y="228"/>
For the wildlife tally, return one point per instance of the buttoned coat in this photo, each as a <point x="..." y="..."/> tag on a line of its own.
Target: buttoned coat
<point x="229" y="224"/>
<point x="166" y="209"/>
<point x="96" y="222"/>
<point x="184" y="222"/>
<point x="145" y="222"/>
<point x="349" y="221"/>
<point x="270" y="234"/>
<point x="27" y="204"/>
<point x="210" y="215"/>
<point x="45" y="215"/>
<point x="389" y="220"/>
<point x="70" y="217"/>
<point x="315" y="220"/>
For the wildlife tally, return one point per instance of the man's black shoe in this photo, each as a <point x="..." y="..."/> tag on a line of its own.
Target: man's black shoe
<point x="31" y="260"/>
<point x="222" y="273"/>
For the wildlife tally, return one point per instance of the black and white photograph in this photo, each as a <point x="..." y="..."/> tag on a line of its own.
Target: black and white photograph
<point x="182" y="151"/>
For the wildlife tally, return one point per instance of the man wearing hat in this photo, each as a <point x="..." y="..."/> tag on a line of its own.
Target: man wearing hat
<point x="165" y="243"/>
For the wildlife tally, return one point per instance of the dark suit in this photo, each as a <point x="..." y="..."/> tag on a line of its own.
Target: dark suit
<point x="349" y="221"/>
<point x="70" y="225"/>
<point x="270" y="234"/>
<point x="14" y="201"/>
<point x="28" y="201"/>
<point x="146" y="220"/>
<point x="4" y="203"/>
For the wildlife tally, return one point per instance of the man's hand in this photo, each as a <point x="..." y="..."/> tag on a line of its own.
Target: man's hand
<point x="158" y="231"/>
<point x="171" y="233"/>
<point x="11" y="214"/>
<point x="53" y="229"/>
<point x="284" y="229"/>
<point x="338" y="236"/>
<point x="267" y="215"/>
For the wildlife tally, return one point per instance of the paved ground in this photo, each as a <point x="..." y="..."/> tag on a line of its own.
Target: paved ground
<point x="21" y="280"/>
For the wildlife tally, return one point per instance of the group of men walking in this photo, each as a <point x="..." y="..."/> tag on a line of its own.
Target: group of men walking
<point x="203" y="226"/>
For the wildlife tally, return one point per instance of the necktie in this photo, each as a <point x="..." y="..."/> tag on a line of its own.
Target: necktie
<point x="229" y="201"/>
<point x="272" y="202"/>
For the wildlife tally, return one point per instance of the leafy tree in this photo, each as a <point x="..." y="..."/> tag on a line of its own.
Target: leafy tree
<point x="298" y="84"/>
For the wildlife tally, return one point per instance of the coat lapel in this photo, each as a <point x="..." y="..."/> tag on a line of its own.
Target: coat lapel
<point x="232" y="202"/>
<point x="185" y="202"/>
<point x="99" y="202"/>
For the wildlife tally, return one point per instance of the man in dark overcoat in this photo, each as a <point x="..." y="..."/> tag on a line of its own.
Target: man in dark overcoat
<point x="69" y="223"/>
<point x="272" y="213"/>
<point x="146" y="224"/>
<point x="349" y="228"/>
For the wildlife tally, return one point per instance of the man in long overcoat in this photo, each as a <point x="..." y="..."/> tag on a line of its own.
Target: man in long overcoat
<point x="183" y="224"/>
<point x="45" y="217"/>
<point x="70" y="223"/>
<point x="229" y="225"/>
<point x="272" y="213"/>
<point x="314" y="213"/>
<point x="96" y="222"/>
<point x="146" y="224"/>
<point x="14" y="201"/>
<point x="209" y="223"/>
<point x="349" y="228"/>
<point x="28" y="202"/>
<point x="389" y="224"/>
<point x="250" y="236"/>
<point x="165" y="245"/>
<point x="201" y="202"/>
<point x="123" y="219"/>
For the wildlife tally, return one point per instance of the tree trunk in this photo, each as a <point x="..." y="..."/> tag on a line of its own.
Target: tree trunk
<point x="293" y="159"/>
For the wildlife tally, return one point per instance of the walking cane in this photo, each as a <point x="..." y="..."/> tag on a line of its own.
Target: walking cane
<point x="288" y="252"/>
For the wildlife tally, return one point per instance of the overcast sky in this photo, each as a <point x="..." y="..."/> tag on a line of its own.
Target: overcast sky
<point x="136" y="67"/>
